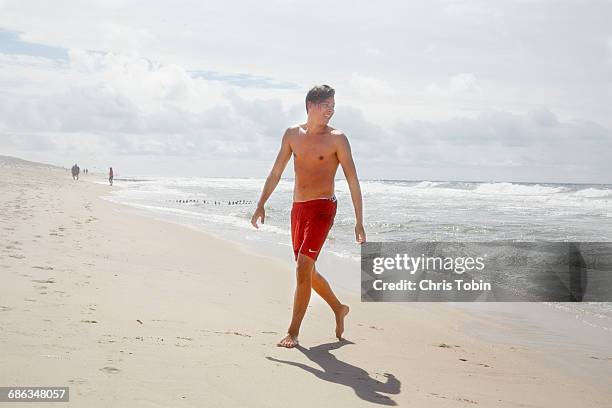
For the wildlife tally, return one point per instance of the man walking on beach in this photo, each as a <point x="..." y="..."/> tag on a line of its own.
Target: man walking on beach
<point x="317" y="150"/>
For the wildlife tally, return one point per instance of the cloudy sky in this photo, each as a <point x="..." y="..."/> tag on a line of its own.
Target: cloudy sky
<point x="434" y="90"/>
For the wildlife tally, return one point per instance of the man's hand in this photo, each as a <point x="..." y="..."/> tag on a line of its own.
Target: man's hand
<point x="360" y="235"/>
<point x="260" y="213"/>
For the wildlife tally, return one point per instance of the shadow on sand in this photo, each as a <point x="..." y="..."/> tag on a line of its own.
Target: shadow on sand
<point x="340" y="372"/>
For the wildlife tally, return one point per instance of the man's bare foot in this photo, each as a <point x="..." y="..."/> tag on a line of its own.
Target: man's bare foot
<point x="288" y="342"/>
<point x="344" y="309"/>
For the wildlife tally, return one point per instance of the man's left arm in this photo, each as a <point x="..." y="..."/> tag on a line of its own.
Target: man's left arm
<point x="345" y="158"/>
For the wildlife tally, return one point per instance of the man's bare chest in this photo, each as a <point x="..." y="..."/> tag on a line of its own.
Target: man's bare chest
<point x="320" y="150"/>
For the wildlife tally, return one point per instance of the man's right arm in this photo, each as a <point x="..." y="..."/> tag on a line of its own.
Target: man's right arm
<point x="273" y="178"/>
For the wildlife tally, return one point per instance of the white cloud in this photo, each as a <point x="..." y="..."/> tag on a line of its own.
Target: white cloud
<point x="370" y="86"/>
<point x="373" y="52"/>
<point x="132" y="106"/>
<point x="459" y="85"/>
<point x="464" y="82"/>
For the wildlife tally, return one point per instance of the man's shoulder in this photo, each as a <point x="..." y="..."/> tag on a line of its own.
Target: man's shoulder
<point x="292" y="130"/>
<point x="336" y="132"/>
<point x="337" y="135"/>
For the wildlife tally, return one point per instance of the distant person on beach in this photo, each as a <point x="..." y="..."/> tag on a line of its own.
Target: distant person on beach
<point x="317" y="150"/>
<point x="111" y="176"/>
<point x="75" y="172"/>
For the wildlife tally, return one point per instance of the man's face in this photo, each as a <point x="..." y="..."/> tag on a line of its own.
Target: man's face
<point x="324" y="110"/>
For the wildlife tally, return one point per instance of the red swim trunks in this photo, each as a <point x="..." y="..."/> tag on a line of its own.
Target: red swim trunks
<point x="310" y="223"/>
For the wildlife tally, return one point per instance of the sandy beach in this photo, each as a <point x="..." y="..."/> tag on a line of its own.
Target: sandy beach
<point x="128" y="311"/>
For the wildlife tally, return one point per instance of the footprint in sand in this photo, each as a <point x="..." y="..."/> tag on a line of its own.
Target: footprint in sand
<point x="466" y="400"/>
<point x="444" y="345"/>
<point x="593" y="357"/>
<point x="110" y="370"/>
<point x="50" y="280"/>
<point x="184" y="338"/>
<point x="234" y="333"/>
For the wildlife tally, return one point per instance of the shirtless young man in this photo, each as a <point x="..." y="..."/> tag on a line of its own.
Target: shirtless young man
<point x="317" y="151"/>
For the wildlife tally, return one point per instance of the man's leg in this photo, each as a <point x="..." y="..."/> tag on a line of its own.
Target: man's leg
<point x="320" y="285"/>
<point x="305" y="265"/>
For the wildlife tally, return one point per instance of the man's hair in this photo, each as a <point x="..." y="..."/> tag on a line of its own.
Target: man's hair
<point x="318" y="94"/>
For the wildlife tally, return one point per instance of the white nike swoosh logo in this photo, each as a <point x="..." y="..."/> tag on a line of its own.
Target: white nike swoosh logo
<point x="310" y="250"/>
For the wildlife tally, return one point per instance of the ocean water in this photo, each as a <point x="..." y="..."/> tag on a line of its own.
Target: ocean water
<point x="394" y="210"/>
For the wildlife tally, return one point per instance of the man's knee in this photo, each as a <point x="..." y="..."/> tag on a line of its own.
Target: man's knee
<point x="304" y="269"/>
